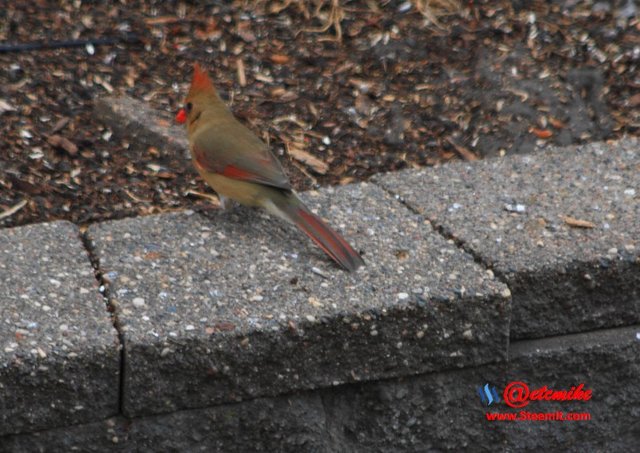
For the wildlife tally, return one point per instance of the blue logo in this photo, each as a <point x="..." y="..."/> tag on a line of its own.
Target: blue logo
<point x="488" y="394"/>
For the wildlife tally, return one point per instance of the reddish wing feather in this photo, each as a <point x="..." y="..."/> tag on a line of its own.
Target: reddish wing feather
<point x="329" y="240"/>
<point x="204" y="161"/>
<point x="238" y="173"/>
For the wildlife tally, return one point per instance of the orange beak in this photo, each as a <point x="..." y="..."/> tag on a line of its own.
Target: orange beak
<point x="181" y="116"/>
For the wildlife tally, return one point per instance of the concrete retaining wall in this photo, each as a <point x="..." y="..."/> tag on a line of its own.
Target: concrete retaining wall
<point x="230" y="331"/>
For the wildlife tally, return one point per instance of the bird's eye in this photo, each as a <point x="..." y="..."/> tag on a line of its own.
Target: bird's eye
<point x="188" y="107"/>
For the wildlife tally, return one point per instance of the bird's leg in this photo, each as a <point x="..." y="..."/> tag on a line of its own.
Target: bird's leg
<point x="225" y="203"/>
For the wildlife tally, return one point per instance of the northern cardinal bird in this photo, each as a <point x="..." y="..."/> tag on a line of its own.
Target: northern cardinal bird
<point x="238" y="165"/>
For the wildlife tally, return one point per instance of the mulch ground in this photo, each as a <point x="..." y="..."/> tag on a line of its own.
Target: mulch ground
<point x="341" y="89"/>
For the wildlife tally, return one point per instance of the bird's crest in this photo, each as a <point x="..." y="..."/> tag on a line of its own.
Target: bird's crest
<point x="201" y="80"/>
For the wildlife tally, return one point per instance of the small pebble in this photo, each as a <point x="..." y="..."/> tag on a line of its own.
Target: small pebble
<point x="519" y="208"/>
<point x="317" y="271"/>
<point x="138" y="302"/>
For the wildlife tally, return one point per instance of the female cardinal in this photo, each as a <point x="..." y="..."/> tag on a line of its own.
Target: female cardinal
<point x="238" y="165"/>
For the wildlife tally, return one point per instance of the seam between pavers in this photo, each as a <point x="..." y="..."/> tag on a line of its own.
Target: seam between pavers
<point x="95" y="263"/>
<point x="551" y="340"/>
<point x="439" y="229"/>
<point x="460" y="244"/>
<point x="325" y="413"/>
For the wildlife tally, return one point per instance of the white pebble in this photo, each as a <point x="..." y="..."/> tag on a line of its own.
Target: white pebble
<point x="138" y="302"/>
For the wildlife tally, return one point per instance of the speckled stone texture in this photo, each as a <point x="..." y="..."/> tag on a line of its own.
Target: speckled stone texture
<point x="429" y="412"/>
<point x="59" y="353"/>
<point x="284" y="424"/>
<point x="606" y="362"/>
<point x="424" y="413"/>
<point x="234" y="305"/>
<point x="432" y="412"/>
<point x="512" y="213"/>
<point x="141" y="124"/>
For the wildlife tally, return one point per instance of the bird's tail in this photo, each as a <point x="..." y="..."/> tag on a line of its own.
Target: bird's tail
<point x="291" y="208"/>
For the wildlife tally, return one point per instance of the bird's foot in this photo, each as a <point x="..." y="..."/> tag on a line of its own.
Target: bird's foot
<point x="225" y="203"/>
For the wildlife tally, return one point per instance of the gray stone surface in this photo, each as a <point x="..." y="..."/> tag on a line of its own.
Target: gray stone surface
<point x="236" y="304"/>
<point x="59" y="354"/>
<point x="442" y="411"/>
<point x="287" y="424"/>
<point x="608" y="363"/>
<point x="510" y="213"/>
<point x="140" y="123"/>
<point x="430" y="412"/>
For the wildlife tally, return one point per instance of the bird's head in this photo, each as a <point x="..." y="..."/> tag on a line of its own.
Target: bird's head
<point x="200" y="94"/>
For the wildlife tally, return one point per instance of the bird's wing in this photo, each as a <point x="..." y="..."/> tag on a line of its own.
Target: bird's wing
<point x="230" y="149"/>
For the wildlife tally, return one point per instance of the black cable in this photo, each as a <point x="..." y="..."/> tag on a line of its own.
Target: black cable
<point x="41" y="45"/>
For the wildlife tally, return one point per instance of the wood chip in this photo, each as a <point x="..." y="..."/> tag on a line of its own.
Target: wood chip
<point x="280" y="59"/>
<point x="135" y="198"/>
<point x="242" y="76"/>
<point x="212" y="198"/>
<point x="58" y="141"/>
<point x="465" y="153"/>
<point x="60" y="124"/>
<point x="6" y="107"/>
<point x="162" y="20"/>
<point x="555" y="122"/>
<point x="103" y="83"/>
<point x="263" y="78"/>
<point x="578" y="223"/>
<point x="13" y="209"/>
<point x="634" y="100"/>
<point x="308" y="159"/>
<point x="541" y="133"/>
